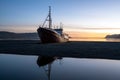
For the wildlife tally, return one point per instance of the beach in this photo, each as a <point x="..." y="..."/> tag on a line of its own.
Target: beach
<point x="77" y="49"/>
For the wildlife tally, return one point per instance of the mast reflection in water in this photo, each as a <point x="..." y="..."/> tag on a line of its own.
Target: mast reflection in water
<point x="46" y="63"/>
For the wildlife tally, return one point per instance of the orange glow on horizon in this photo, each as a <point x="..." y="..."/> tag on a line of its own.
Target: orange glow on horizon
<point x="86" y="34"/>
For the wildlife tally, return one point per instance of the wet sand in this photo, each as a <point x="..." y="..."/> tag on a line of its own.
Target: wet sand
<point x="77" y="49"/>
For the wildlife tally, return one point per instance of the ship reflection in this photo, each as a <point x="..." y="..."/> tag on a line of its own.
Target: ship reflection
<point x="46" y="63"/>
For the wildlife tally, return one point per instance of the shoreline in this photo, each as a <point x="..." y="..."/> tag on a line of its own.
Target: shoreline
<point x="75" y="49"/>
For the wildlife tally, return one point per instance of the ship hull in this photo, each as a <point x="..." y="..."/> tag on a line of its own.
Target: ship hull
<point x="50" y="36"/>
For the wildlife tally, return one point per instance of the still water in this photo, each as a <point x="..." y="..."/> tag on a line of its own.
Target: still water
<point x="95" y="39"/>
<point x="19" y="67"/>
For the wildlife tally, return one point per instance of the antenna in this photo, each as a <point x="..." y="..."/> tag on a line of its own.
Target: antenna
<point x="50" y="19"/>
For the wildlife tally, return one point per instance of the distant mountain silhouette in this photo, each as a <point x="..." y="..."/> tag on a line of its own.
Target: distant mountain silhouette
<point x="114" y="36"/>
<point x="18" y="36"/>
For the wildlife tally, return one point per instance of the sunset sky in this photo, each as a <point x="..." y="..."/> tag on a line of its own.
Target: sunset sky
<point x="88" y="17"/>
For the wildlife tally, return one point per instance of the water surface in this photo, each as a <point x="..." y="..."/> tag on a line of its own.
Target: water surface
<point x="95" y="39"/>
<point x="18" y="67"/>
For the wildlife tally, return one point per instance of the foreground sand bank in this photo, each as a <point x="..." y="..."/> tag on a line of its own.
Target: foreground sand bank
<point x="105" y="50"/>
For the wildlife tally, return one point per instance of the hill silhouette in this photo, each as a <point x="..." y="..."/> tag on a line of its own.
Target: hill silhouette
<point x="4" y="35"/>
<point x="114" y="36"/>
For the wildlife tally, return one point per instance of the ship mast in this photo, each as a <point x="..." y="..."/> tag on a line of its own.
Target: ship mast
<point x="50" y="19"/>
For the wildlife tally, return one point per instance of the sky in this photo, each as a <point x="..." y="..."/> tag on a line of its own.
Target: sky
<point x="99" y="16"/>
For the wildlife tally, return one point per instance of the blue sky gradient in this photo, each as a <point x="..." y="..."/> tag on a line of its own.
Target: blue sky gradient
<point x="72" y="13"/>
